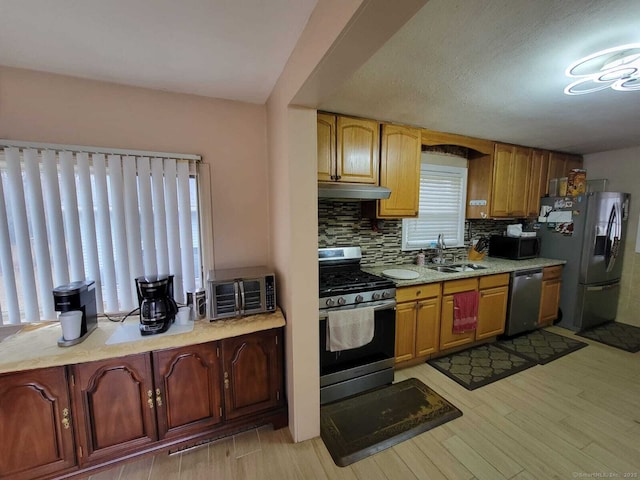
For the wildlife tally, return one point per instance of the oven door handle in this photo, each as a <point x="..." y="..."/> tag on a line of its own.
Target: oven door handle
<point x="386" y="305"/>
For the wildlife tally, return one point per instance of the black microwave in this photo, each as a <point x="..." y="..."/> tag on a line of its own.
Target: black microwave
<point x="514" y="248"/>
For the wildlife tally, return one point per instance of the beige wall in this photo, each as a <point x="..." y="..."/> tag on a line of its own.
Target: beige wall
<point x="230" y="136"/>
<point x="622" y="169"/>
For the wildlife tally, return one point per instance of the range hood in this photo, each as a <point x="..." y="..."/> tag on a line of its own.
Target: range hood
<point x="351" y="191"/>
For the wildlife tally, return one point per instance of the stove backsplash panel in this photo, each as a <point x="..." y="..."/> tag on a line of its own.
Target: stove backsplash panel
<point x="340" y="224"/>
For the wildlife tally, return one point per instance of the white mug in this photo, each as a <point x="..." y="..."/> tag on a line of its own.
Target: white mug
<point x="184" y="316"/>
<point x="71" y="323"/>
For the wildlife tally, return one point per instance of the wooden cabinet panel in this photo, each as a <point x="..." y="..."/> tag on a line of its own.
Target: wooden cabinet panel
<point x="550" y="296"/>
<point x="326" y="147"/>
<point x="35" y="424"/>
<point x="479" y="186"/>
<point x="561" y="163"/>
<point x="407" y="294"/>
<point x="511" y="170"/>
<point x="462" y="285"/>
<point x="405" y="331"/>
<point x="539" y="182"/>
<point x="187" y="389"/>
<point x="427" y="326"/>
<point x="357" y="152"/>
<point x="400" y="171"/>
<point x="252" y="373"/>
<point x="492" y="311"/>
<point x="115" y="406"/>
<point x="448" y="339"/>
<point x="498" y="280"/>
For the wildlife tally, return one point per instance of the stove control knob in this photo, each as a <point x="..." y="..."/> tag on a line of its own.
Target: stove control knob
<point x="330" y="302"/>
<point x="386" y="294"/>
<point x="359" y="298"/>
<point x="341" y="301"/>
<point x="376" y="296"/>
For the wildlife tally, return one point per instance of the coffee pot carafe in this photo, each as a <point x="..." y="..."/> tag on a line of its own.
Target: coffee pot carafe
<point x="157" y="306"/>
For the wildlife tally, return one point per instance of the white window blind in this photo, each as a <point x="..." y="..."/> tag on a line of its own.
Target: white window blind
<point x="109" y="217"/>
<point x="443" y="191"/>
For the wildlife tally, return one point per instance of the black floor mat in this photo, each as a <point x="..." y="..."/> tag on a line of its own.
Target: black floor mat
<point x="360" y="426"/>
<point x="481" y="365"/>
<point x="615" y="334"/>
<point x="541" y="346"/>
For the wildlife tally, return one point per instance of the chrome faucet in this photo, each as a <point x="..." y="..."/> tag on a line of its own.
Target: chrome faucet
<point x="441" y="247"/>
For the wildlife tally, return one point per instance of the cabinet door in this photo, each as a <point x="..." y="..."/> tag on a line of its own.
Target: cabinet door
<point x="187" y="389"/>
<point x="519" y="182"/>
<point x="539" y="185"/>
<point x="115" y="404"/>
<point x="252" y="373"/>
<point x="448" y="339"/>
<point x="428" y="326"/>
<point x="549" y="301"/>
<point x="35" y="424"/>
<point x="358" y="150"/>
<point x="501" y="180"/>
<point x="326" y="147"/>
<point x="561" y="163"/>
<point x="492" y="312"/>
<point x="400" y="171"/>
<point x="405" y="331"/>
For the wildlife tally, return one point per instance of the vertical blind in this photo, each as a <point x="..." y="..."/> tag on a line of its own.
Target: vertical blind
<point x="443" y="191"/>
<point x="109" y="217"/>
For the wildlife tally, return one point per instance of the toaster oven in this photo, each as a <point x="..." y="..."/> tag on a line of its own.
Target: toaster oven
<point x="240" y="291"/>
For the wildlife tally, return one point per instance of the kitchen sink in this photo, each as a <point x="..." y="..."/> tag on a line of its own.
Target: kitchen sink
<point x="457" y="268"/>
<point x="444" y="269"/>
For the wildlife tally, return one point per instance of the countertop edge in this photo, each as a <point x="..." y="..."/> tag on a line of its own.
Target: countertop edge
<point x="493" y="266"/>
<point x="35" y="346"/>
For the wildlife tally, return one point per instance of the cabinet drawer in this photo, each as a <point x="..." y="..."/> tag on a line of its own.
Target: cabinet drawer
<point x="463" y="285"/>
<point x="491" y="281"/>
<point x="552" y="272"/>
<point x="416" y="292"/>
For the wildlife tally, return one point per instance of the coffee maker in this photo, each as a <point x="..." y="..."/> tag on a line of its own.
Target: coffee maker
<point x="157" y="307"/>
<point x="81" y="296"/>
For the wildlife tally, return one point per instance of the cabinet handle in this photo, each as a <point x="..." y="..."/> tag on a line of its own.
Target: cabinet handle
<point x="158" y="397"/>
<point x="65" y="419"/>
<point x="226" y="380"/>
<point x="338" y="177"/>
<point x="150" y="398"/>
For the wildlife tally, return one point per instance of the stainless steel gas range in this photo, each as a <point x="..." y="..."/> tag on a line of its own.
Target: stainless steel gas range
<point x="344" y="286"/>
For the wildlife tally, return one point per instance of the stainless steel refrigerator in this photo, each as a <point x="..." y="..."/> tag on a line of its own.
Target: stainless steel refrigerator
<point x="588" y="231"/>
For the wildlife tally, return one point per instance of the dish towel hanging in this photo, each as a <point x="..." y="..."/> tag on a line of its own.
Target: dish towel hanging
<point x="347" y="329"/>
<point x="465" y="311"/>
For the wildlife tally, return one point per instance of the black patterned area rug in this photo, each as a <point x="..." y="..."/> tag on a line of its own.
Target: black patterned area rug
<point x="481" y="365"/>
<point x="541" y="346"/>
<point x="360" y="426"/>
<point x="618" y="335"/>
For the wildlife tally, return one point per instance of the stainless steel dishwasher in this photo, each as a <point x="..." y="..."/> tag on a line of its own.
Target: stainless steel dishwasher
<point x="524" y="301"/>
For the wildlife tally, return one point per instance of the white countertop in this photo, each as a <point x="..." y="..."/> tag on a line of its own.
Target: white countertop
<point x="36" y="345"/>
<point x="493" y="265"/>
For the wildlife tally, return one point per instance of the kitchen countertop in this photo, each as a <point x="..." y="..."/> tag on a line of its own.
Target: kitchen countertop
<point x="35" y="345"/>
<point x="493" y="265"/>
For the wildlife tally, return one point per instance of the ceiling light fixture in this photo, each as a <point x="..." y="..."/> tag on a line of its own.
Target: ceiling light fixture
<point x="617" y="68"/>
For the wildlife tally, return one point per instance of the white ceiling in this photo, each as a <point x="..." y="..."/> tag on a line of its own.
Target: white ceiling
<point x="233" y="49"/>
<point x="486" y="68"/>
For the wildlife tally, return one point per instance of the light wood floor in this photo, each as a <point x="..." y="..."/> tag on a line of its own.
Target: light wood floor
<point x="576" y="417"/>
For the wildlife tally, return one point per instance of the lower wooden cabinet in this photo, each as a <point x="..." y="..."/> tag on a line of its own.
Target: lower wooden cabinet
<point x="122" y="407"/>
<point x="417" y="321"/>
<point x="448" y="339"/>
<point x="492" y="305"/>
<point x="550" y="296"/>
<point x="253" y="379"/>
<point x="187" y="389"/>
<point x="35" y="424"/>
<point x="114" y="407"/>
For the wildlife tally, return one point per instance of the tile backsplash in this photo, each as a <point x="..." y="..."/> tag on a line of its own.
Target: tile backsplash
<point x="340" y="224"/>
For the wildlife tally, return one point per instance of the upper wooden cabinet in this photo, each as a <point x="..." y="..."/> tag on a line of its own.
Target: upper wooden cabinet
<point x="348" y="149"/>
<point x="400" y="171"/>
<point x="36" y="424"/>
<point x="511" y="177"/>
<point x="539" y="181"/>
<point x="560" y="164"/>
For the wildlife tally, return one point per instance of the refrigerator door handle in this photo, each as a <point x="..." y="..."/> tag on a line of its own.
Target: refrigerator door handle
<point x="601" y="288"/>
<point x="613" y="235"/>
